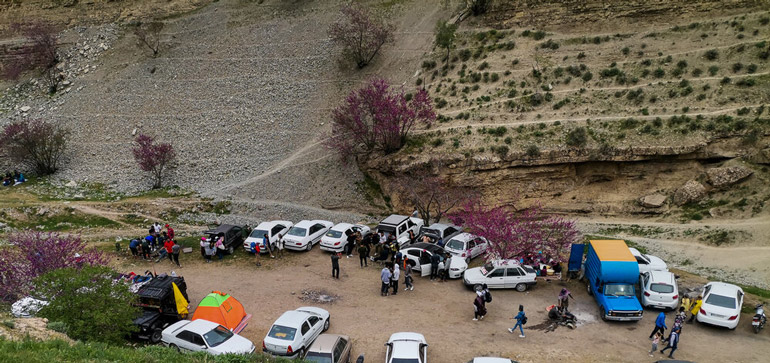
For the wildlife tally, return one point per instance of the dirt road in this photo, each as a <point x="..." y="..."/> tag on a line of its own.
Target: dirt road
<point x="443" y="313"/>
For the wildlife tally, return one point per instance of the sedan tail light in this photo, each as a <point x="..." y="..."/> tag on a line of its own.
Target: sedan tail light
<point x="336" y="243"/>
<point x="289" y="350"/>
<point x="703" y="311"/>
<point x="263" y="345"/>
<point x="675" y="297"/>
<point x="463" y="254"/>
<point x="646" y="293"/>
<point x="733" y="317"/>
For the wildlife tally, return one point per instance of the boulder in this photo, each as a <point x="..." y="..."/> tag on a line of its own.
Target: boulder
<point x="25" y="108"/>
<point x="656" y="200"/>
<point x="692" y="191"/>
<point x="723" y="177"/>
<point x="71" y="184"/>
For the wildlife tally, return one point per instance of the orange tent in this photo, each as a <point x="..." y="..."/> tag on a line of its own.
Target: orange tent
<point x="223" y="309"/>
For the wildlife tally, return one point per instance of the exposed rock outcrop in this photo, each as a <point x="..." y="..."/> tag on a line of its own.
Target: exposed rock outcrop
<point x="656" y="200"/>
<point x="692" y="191"/>
<point x="723" y="177"/>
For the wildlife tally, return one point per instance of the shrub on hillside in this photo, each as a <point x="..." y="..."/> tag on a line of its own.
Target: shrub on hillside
<point x="577" y="137"/>
<point x="38" y="52"/>
<point x="36" y="143"/>
<point x="360" y="33"/>
<point x="153" y="157"/>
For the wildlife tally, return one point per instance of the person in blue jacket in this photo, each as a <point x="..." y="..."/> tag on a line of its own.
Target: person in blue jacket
<point x="521" y="319"/>
<point x="660" y="325"/>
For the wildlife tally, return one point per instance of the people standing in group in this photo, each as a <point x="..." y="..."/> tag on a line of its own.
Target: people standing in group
<point x="383" y="238"/>
<point x="204" y="246"/>
<point x="211" y="249"/>
<point x="447" y="262"/>
<point x="170" y="232"/>
<point x="655" y="340"/>
<point x="686" y="302"/>
<point x="134" y="247"/>
<point x="255" y="250"/>
<point x="521" y="319"/>
<point x="175" y="249"/>
<point x="394" y="279"/>
<point x="673" y="343"/>
<point x="151" y="241"/>
<point x="385" y="276"/>
<point x="169" y="246"/>
<point x="156" y="227"/>
<point x="351" y="243"/>
<point x="363" y="252"/>
<point x="408" y="281"/>
<point x="336" y="265"/>
<point x="695" y="308"/>
<point x="678" y="321"/>
<point x="564" y="297"/>
<point x="660" y="324"/>
<point x="266" y="243"/>
<point x="279" y="246"/>
<point x="220" y="246"/>
<point x="434" y="261"/>
<point x="146" y="248"/>
<point x="479" y="308"/>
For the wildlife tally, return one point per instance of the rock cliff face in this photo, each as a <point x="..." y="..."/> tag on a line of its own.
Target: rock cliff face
<point x="565" y="12"/>
<point x="567" y="180"/>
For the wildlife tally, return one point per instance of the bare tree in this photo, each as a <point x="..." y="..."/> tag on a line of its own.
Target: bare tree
<point x="149" y="35"/>
<point x="38" y="52"/>
<point x="35" y="142"/>
<point x="432" y="196"/>
<point x="361" y="33"/>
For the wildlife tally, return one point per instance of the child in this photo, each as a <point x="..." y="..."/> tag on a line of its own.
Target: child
<point x="255" y="250"/>
<point x="408" y="276"/>
<point x="655" y="341"/>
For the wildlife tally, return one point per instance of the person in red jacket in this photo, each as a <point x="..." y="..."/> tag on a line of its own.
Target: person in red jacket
<point x="169" y="232"/>
<point x="169" y="245"/>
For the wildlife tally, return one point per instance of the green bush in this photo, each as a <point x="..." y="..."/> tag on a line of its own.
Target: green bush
<point x="659" y="73"/>
<point x="533" y="151"/>
<point x="712" y="55"/>
<point x="577" y="137"/>
<point x="57" y="326"/>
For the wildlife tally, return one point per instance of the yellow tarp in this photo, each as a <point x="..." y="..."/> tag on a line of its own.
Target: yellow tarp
<point x="612" y="250"/>
<point x="181" y="302"/>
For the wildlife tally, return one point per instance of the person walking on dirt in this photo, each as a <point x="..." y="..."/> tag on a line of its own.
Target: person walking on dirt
<point x="266" y="243"/>
<point x="175" y="249"/>
<point x="673" y="344"/>
<point x="678" y="321"/>
<point x="660" y="324"/>
<point x="385" y="279"/>
<point x="655" y="340"/>
<point x="521" y="319"/>
<point x="362" y="252"/>
<point x="479" y="308"/>
<point x="564" y="297"/>
<point x="434" y="260"/>
<point x="695" y="308"/>
<point x="408" y="281"/>
<point x="255" y="250"/>
<point x="394" y="280"/>
<point x="168" y="246"/>
<point x="336" y="265"/>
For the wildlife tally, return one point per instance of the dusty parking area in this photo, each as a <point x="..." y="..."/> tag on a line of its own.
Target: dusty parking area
<point x="443" y="313"/>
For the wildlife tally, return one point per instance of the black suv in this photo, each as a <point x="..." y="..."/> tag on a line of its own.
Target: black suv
<point x="233" y="236"/>
<point x="156" y="298"/>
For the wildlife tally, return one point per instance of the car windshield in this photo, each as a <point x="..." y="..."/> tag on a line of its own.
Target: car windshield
<point x="618" y="290"/>
<point x="721" y="301"/>
<point x="662" y="288"/>
<point x="217" y="336"/>
<point x="404" y="360"/>
<point x="454" y="244"/>
<point x="258" y="233"/>
<point x="486" y="268"/>
<point x="528" y="269"/>
<point x="282" y="332"/>
<point x="431" y="231"/>
<point x="318" y="357"/>
<point x="297" y="231"/>
<point x="334" y="234"/>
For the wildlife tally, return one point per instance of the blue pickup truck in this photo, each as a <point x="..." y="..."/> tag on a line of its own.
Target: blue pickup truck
<point x="612" y="271"/>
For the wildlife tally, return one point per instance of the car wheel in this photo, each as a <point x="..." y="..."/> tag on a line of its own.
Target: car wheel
<point x="521" y="287"/>
<point x="174" y="346"/>
<point x="326" y="323"/>
<point x="590" y="292"/>
<point x="468" y="260"/>
<point x="156" y="336"/>
<point x="309" y="246"/>
<point x="301" y="353"/>
<point x="602" y="314"/>
<point x="230" y="250"/>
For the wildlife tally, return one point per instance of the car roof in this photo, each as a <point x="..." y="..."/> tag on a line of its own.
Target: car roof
<point x="505" y="263"/>
<point x="271" y="224"/>
<point x="426" y="246"/>
<point x="723" y="288"/>
<point x="491" y="360"/>
<point x="321" y="221"/>
<point x="342" y="227"/>
<point x="304" y="223"/>
<point x="325" y="343"/>
<point x="222" y="228"/>
<point x="394" y="219"/>
<point x="160" y="287"/>
<point x="292" y="318"/>
<point x="662" y="276"/>
<point x="440" y="226"/>
<point x="463" y="236"/>
<point x="199" y="326"/>
<point x="408" y="344"/>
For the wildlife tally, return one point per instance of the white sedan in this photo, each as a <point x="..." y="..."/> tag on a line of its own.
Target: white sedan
<point x="722" y="305"/>
<point x="272" y="229"/>
<point x="659" y="290"/>
<point x="648" y="262"/>
<point x="295" y="331"/>
<point x="491" y="360"/>
<point x="419" y="255"/>
<point x="305" y="234"/>
<point x="406" y="348"/>
<point x="466" y="246"/>
<point x="336" y="238"/>
<point x="202" y="335"/>
<point x="501" y="274"/>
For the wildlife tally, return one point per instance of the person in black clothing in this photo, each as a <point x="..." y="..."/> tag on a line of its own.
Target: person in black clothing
<point x="445" y="273"/>
<point x="383" y="256"/>
<point x="434" y="260"/>
<point x="362" y="253"/>
<point x="336" y="265"/>
<point x="351" y="243"/>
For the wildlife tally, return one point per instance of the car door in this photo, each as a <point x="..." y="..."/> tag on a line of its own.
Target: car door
<point x="275" y="231"/>
<point x="496" y="278"/>
<point x="643" y="279"/>
<point x="187" y="340"/>
<point x="307" y="334"/>
<point x="425" y="263"/>
<point x="315" y="232"/>
<point x="316" y="326"/>
<point x="402" y="236"/>
<point x="513" y="276"/>
<point x="479" y="247"/>
<point x="470" y="247"/>
<point x="341" y="351"/>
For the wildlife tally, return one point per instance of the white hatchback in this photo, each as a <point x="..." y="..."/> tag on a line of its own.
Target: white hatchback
<point x="722" y="305"/>
<point x="304" y="234"/>
<point x="294" y="332"/>
<point x="336" y="238"/>
<point x="466" y="245"/>
<point x="406" y="348"/>
<point x="204" y="336"/>
<point x="659" y="290"/>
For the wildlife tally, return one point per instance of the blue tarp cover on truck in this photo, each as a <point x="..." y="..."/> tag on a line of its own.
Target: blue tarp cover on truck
<point x="576" y="257"/>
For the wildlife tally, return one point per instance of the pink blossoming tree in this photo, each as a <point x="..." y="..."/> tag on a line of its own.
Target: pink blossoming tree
<point x="154" y="157"/>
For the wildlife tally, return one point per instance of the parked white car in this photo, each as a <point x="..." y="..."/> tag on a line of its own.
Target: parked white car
<point x="466" y="245"/>
<point x="501" y="274"/>
<point x="438" y="231"/>
<point x="491" y="360"/>
<point x="648" y="262"/>
<point x="659" y="290"/>
<point x="336" y="238"/>
<point x="399" y="226"/>
<point x="202" y="335"/>
<point x="294" y="332"/>
<point x="272" y="229"/>
<point x="406" y="348"/>
<point x="419" y="255"/>
<point x="304" y="234"/>
<point x="722" y="305"/>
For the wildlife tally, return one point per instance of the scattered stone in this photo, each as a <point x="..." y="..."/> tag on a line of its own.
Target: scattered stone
<point x="722" y="177"/>
<point x="25" y="108"/>
<point x="71" y="184"/>
<point x="318" y="296"/>
<point x="692" y="191"/>
<point x="656" y="200"/>
<point x="42" y="211"/>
